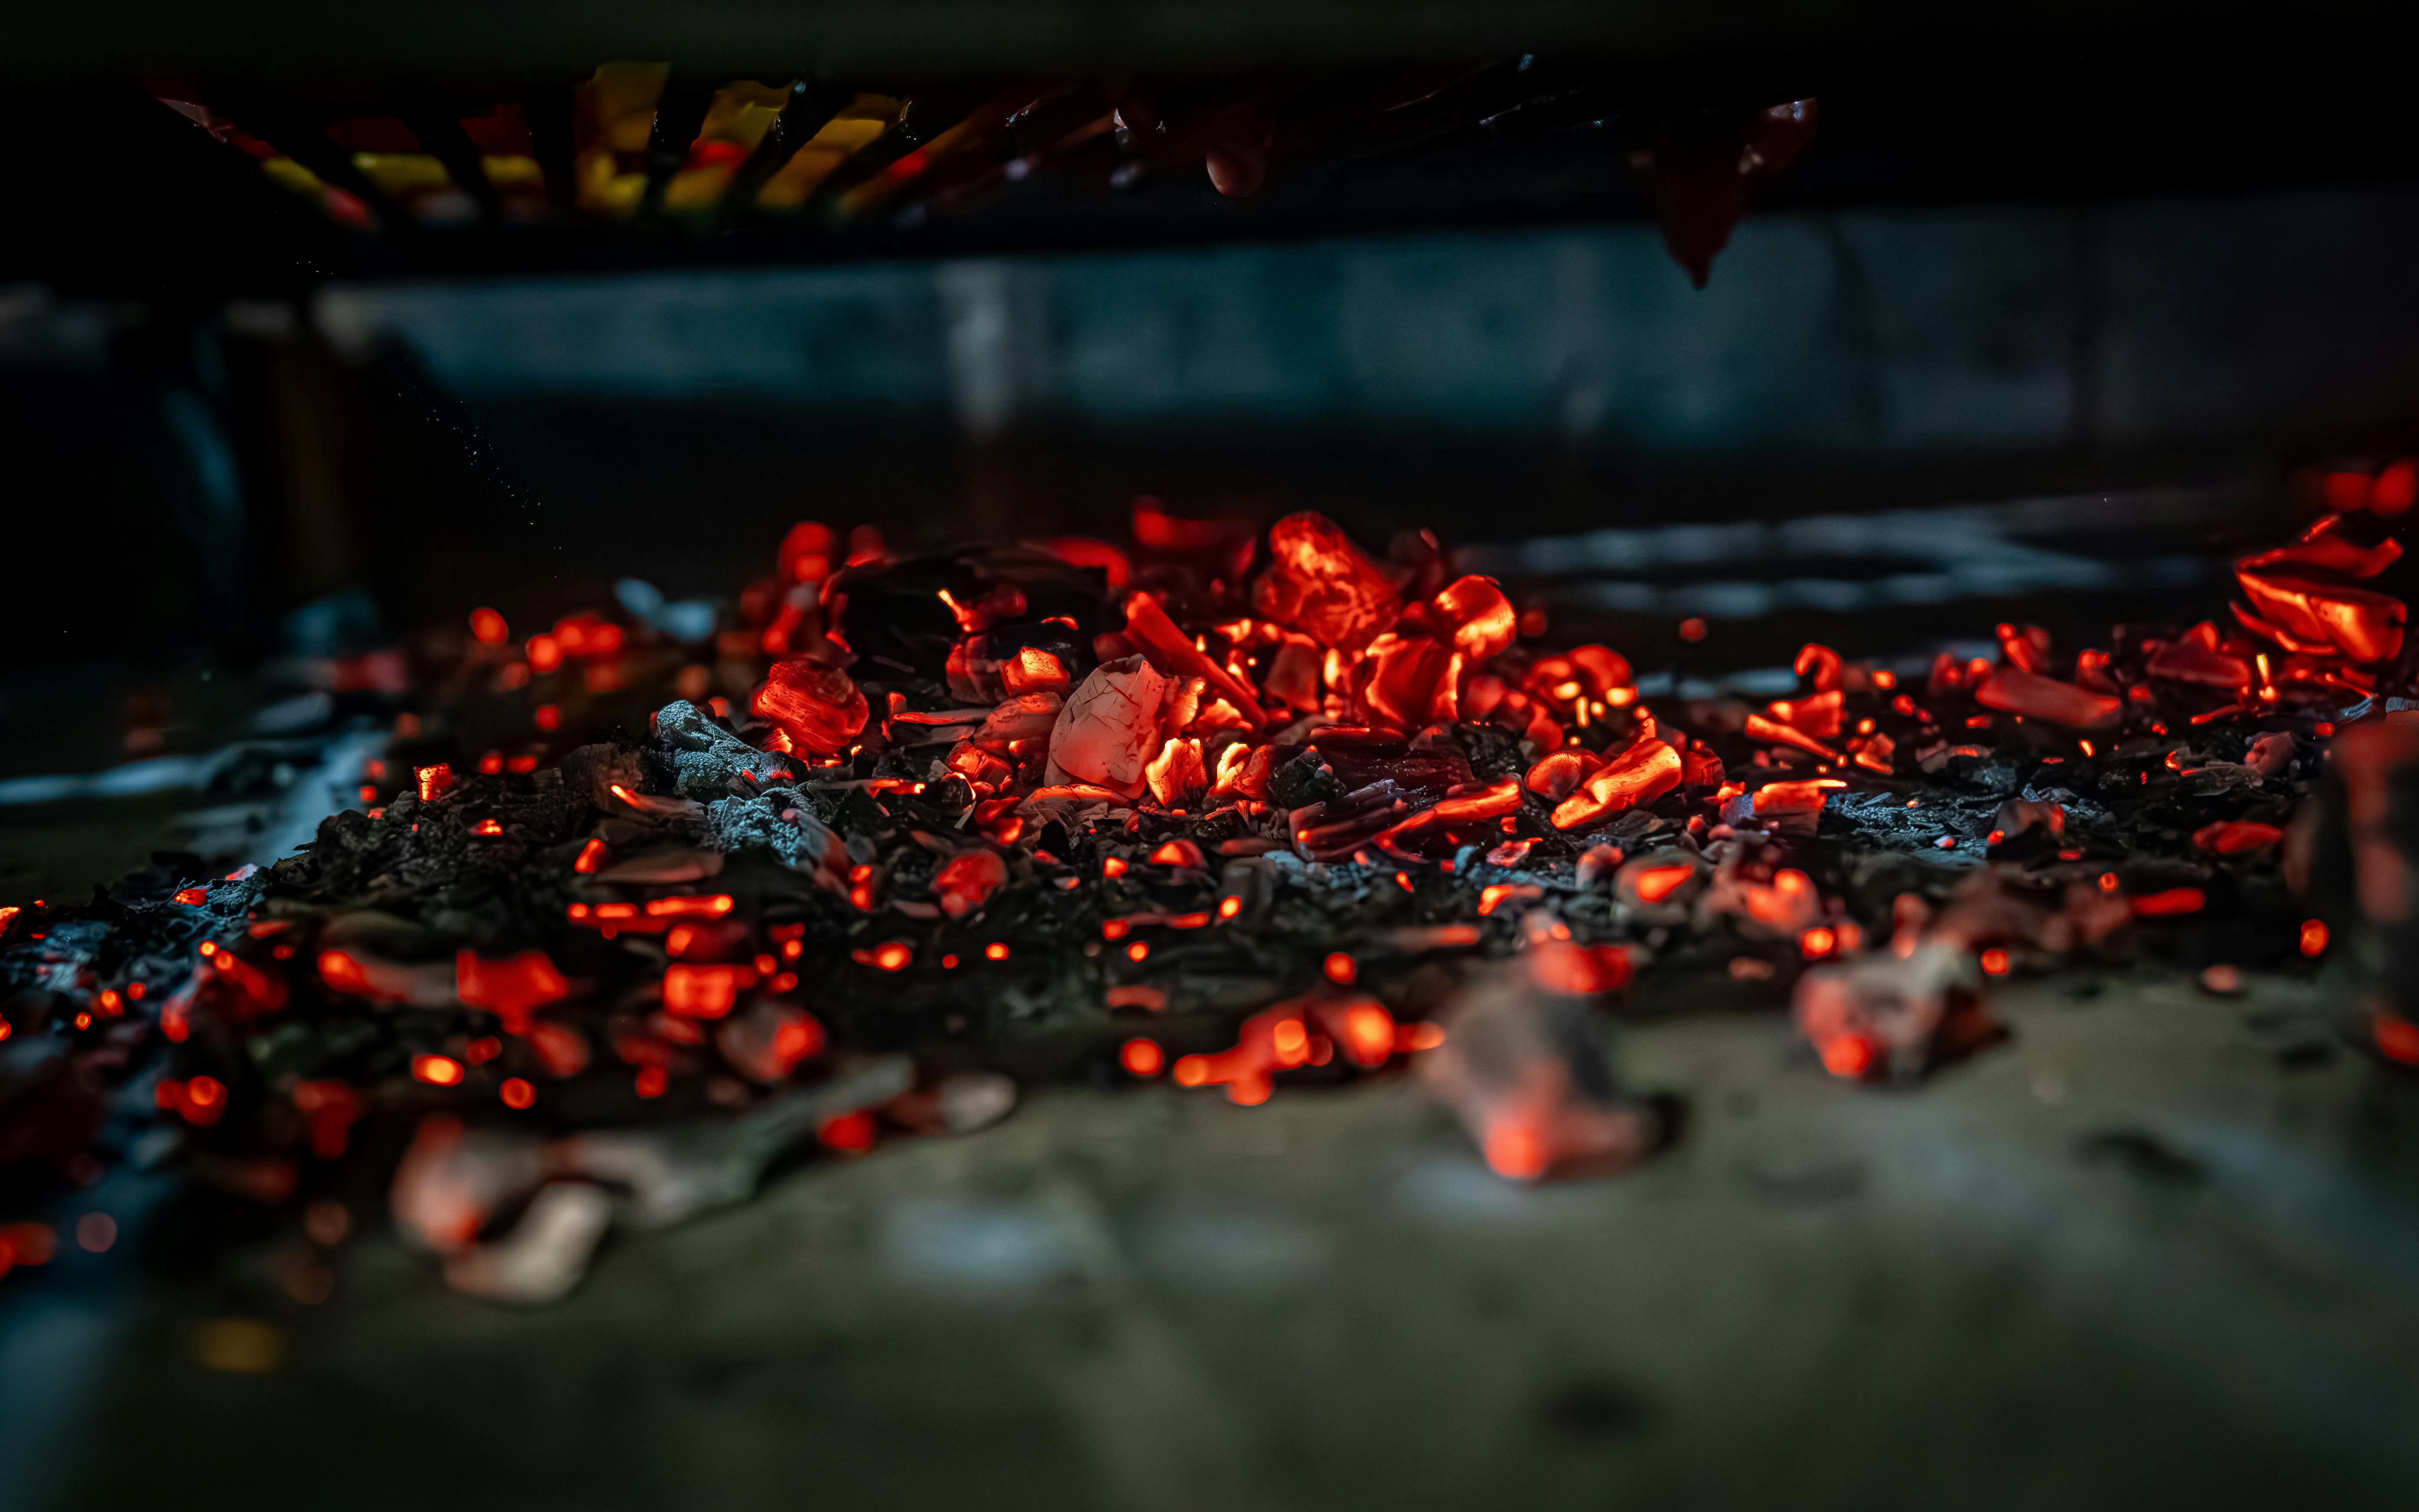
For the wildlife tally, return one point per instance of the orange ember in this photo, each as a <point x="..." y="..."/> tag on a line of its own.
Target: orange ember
<point x="966" y="881"/>
<point x="512" y="987"/>
<point x="2169" y="904"/>
<point x="705" y="991"/>
<point x="1640" y="774"/>
<point x="1317" y="582"/>
<point x="1657" y="883"/>
<point x="1142" y="1057"/>
<point x="818" y="707"/>
<point x="2015" y="690"/>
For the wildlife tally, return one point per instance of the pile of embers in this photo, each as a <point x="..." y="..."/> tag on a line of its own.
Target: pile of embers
<point x="1230" y="807"/>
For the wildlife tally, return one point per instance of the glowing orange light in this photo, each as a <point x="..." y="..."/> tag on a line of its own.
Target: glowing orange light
<point x="1229" y="907"/>
<point x="544" y="652"/>
<point x="1514" y="1148"/>
<point x="966" y="881"/>
<point x="193" y="898"/>
<point x="687" y="905"/>
<point x="705" y="991"/>
<point x="487" y="627"/>
<point x="437" y="1070"/>
<point x="1994" y="962"/>
<point x="592" y="855"/>
<point x="516" y="1093"/>
<point x="805" y="552"/>
<point x="1806" y="796"/>
<point x="1114" y="867"/>
<point x="850" y="1134"/>
<point x="2314" y="936"/>
<point x="1341" y="969"/>
<point x="1495" y="894"/>
<point x="1817" y="942"/>
<point x="2170" y="903"/>
<point x="796" y="1040"/>
<point x="2397" y="1039"/>
<point x="2236" y="837"/>
<point x="1658" y="883"/>
<point x="1290" y="1038"/>
<point x="1139" y="951"/>
<point x="2108" y="882"/>
<point x="488" y="826"/>
<point x="1113" y="563"/>
<point x="1142" y="1057"/>
<point x="491" y="763"/>
<point x="1847" y="1056"/>
<point x="893" y="955"/>
<point x="995" y="950"/>
<point x="1369" y="1034"/>
<point x="1179" y="853"/>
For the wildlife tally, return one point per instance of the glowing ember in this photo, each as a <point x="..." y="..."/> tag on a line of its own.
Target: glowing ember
<point x="967" y="880"/>
<point x="1640" y="774"/>
<point x="1142" y="1057"/>
<point x="1111" y="726"/>
<point x="2236" y="837"/>
<point x="512" y="987"/>
<point x="818" y="707"/>
<point x="2169" y="904"/>
<point x="2015" y="690"/>
<point x="1318" y="582"/>
<point x="705" y="991"/>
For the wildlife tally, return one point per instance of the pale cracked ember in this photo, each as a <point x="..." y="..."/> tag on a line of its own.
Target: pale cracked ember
<point x="1110" y="727"/>
<point x="1077" y="810"/>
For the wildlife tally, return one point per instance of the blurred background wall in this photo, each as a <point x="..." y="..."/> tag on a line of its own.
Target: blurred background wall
<point x="2174" y="322"/>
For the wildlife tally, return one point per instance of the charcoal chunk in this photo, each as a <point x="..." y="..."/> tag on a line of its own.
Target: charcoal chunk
<point x="779" y="820"/>
<point x="1493" y="753"/>
<point x="704" y="757"/>
<point x="589" y="773"/>
<point x="1302" y="781"/>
